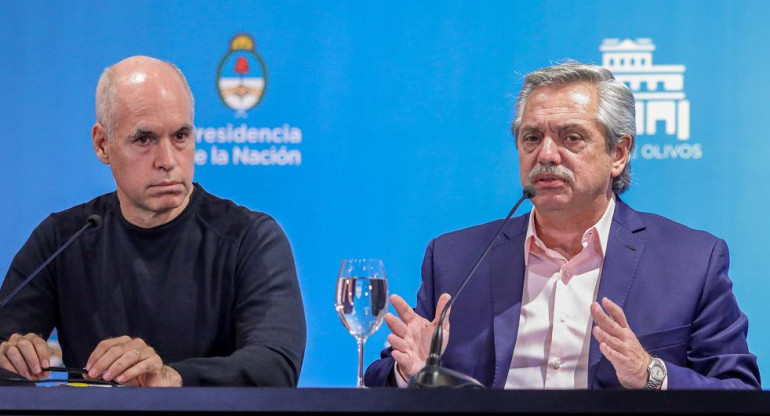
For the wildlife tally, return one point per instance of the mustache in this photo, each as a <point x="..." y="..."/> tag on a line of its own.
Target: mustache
<point x="558" y="171"/>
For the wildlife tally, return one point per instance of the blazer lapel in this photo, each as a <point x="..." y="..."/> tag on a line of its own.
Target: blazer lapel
<point x="624" y="250"/>
<point x="506" y="265"/>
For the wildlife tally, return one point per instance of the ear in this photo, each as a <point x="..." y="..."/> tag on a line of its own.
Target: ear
<point x="100" y="142"/>
<point x="513" y="133"/>
<point x="621" y="154"/>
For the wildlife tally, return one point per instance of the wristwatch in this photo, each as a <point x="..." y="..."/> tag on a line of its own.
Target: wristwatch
<point x="656" y="373"/>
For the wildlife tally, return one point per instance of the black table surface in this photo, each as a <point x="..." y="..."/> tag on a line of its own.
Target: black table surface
<point x="83" y="400"/>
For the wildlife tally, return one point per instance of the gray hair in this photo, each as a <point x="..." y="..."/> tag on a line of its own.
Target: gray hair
<point x="106" y="97"/>
<point x="616" y="111"/>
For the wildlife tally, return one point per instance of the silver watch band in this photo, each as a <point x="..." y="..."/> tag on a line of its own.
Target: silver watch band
<point x="656" y="366"/>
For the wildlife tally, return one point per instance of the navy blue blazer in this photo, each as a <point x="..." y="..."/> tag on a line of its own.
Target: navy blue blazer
<point x="670" y="280"/>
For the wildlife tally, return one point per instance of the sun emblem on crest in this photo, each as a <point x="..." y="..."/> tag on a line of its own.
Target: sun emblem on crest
<point x="242" y="76"/>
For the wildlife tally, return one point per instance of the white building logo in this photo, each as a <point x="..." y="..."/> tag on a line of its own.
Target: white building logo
<point x="661" y="103"/>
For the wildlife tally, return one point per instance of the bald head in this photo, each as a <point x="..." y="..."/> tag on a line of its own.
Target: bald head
<point x="134" y="74"/>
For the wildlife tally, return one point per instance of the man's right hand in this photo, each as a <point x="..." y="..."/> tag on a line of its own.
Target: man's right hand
<point x="411" y="335"/>
<point x="26" y="355"/>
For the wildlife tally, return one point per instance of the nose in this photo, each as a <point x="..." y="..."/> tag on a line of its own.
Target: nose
<point x="548" y="153"/>
<point x="165" y="157"/>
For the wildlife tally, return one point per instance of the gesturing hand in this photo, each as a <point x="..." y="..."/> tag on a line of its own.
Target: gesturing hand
<point x="26" y="355"/>
<point x="132" y="362"/>
<point x="619" y="344"/>
<point x="411" y="335"/>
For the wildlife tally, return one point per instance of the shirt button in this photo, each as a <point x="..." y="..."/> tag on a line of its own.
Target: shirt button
<point x="563" y="317"/>
<point x="557" y="364"/>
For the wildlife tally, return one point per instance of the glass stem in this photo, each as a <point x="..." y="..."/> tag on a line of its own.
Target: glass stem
<point x="361" y="341"/>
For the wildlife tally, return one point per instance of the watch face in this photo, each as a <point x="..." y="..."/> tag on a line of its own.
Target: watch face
<point x="657" y="372"/>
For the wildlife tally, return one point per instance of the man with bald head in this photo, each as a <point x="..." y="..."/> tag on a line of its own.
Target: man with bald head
<point x="177" y="287"/>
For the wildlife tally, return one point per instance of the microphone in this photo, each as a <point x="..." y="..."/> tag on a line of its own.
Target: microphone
<point x="433" y="375"/>
<point x="94" y="221"/>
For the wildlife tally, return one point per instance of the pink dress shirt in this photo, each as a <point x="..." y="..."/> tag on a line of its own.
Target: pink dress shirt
<point x="554" y="334"/>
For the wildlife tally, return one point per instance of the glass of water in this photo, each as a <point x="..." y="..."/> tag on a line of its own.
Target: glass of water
<point x="361" y="301"/>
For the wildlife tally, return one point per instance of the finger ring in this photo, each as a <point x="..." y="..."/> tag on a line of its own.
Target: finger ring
<point x="138" y="354"/>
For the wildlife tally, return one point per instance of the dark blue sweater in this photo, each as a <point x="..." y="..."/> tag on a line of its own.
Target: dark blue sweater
<point x="214" y="291"/>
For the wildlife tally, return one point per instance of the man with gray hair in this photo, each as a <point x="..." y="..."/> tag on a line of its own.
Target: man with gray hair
<point x="176" y="286"/>
<point x="584" y="291"/>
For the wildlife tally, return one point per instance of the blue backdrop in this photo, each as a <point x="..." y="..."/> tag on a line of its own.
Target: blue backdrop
<point x="382" y="124"/>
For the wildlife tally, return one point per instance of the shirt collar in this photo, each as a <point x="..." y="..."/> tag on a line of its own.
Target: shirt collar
<point x="602" y="229"/>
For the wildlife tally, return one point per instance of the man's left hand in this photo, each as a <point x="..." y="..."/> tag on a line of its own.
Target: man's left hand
<point x="130" y="361"/>
<point x="619" y="344"/>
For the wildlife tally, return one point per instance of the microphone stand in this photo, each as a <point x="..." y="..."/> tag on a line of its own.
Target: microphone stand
<point x="93" y="221"/>
<point x="433" y="375"/>
<point x="8" y="377"/>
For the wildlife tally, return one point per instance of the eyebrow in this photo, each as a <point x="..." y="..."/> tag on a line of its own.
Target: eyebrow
<point x="185" y="127"/>
<point x="569" y="126"/>
<point x="144" y="131"/>
<point x="140" y="132"/>
<point x="527" y="128"/>
<point x="574" y="126"/>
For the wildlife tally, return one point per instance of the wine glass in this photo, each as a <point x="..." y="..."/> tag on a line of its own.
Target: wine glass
<point x="361" y="302"/>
